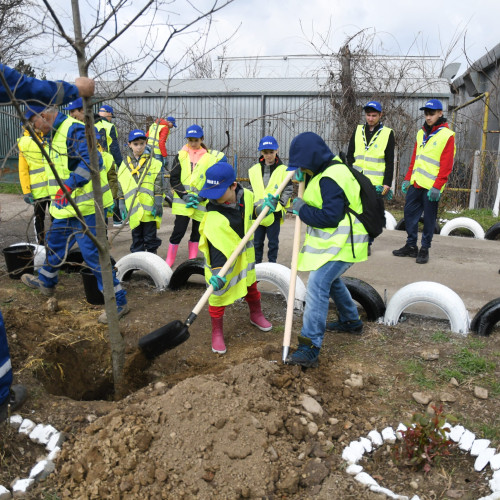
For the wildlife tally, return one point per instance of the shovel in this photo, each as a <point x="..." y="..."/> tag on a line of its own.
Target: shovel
<point x="174" y="333"/>
<point x="293" y="279"/>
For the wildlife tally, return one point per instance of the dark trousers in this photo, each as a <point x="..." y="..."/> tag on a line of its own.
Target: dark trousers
<point x="273" y="240"/>
<point x="417" y="202"/>
<point x="117" y="217"/>
<point x="144" y="238"/>
<point x="180" y="227"/>
<point x="41" y="207"/>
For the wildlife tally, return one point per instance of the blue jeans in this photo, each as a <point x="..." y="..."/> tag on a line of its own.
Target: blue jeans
<point x="60" y="238"/>
<point x="5" y="364"/>
<point x="417" y="202"/>
<point x="273" y="240"/>
<point x="322" y="284"/>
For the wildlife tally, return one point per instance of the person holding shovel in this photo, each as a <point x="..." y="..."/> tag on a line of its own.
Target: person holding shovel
<point x="230" y="211"/>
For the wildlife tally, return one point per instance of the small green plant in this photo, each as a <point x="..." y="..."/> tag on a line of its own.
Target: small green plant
<point x="424" y="442"/>
<point x="440" y="337"/>
<point x="417" y="371"/>
<point x="471" y="363"/>
<point x="477" y="344"/>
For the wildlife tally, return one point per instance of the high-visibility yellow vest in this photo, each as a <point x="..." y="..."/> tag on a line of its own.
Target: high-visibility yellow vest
<point x="36" y="166"/>
<point x="83" y="196"/>
<point x="107" y="126"/>
<point x="192" y="182"/>
<point x="260" y="191"/>
<point x="321" y="245"/>
<point x="217" y="154"/>
<point x="216" y="229"/>
<point x="140" y="191"/>
<point x="154" y="137"/>
<point x="428" y="157"/>
<point x="370" y="158"/>
<point x="108" y="161"/>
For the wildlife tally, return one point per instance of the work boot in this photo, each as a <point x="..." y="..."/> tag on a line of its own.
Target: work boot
<point x="193" y="249"/>
<point x="423" y="256"/>
<point x="35" y="283"/>
<point x="218" y="345"/>
<point x="17" y="397"/>
<point x="306" y="354"/>
<point x="257" y="318"/>
<point x="406" y="251"/>
<point x="122" y="310"/>
<point x="171" y="254"/>
<point x="355" y="327"/>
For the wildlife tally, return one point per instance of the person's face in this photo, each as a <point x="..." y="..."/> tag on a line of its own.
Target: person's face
<point x="373" y="118"/>
<point x="432" y="116"/>
<point x="170" y="124"/>
<point x="194" y="142"/>
<point x="269" y="155"/>
<point x="229" y="195"/>
<point x="106" y="114"/>
<point x="138" y="146"/>
<point x="77" y="114"/>
<point x="43" y="121"/>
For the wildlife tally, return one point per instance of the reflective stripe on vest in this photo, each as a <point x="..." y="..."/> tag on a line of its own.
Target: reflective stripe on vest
<point x="36" y="167"/>
<point x="154" y="137"/>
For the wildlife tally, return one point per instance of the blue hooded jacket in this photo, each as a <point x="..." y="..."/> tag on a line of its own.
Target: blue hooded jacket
<point x="310" y="152"/>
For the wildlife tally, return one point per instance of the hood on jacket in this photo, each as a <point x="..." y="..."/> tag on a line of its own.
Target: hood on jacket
<point x="309" y="152"/>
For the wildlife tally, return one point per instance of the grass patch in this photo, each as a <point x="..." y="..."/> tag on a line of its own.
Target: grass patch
<point x="440" y="337"/>
<point x="471" y="363"/>
<point x="416" y="371"/>
<point x="477" y="344"/>
<point x="482" y="215"/>
<point x="10" y="188"/>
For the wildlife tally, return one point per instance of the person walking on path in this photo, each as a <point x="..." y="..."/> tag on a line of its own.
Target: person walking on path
<point x="430" y="166"/>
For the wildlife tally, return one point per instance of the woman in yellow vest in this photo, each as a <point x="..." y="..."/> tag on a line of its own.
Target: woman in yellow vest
<point x="334" y="241"/>
<point x="186" y="179"/>
<point x="229" y="215"/>
<point x="265" y="177"/>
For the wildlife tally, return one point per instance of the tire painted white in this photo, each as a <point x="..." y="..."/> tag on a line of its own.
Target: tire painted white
<point x="390" y="221"/>
<point x="39" y="252"/>
<point x="150" y="263"/>
<point x="463" y="222"/>
<point x="431" y="293"/>
<point x="279" y="276"/>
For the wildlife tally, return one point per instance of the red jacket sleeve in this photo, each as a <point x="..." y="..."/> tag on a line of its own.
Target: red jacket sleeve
<point x="446" y="163"/>
<point x="412" y="162"/>
<point x="163" y="139"/>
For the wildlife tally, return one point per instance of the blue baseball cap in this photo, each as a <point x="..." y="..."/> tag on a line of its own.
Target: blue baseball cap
<point x="107" y="109"/>
<point x="33" y="109"/>
<point x="76" y="104"/>
<point x="171" y="119"/>
<point x="218" y="178"/>
<point x="136" y="134"/>
<point x="268" y="142"/>
<point x="432" y="104"/>
<point x="373" y="105"/>
<point x="194" y="131"/>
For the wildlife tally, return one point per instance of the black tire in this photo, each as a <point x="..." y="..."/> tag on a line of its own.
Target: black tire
<point x="482" y="321"/>
<point x="493" y="233"/>
<point x="401" y="225"/>
<point x="184" y="271"/>
<point x="367" y="297"/>
<point x="74" y="262"/>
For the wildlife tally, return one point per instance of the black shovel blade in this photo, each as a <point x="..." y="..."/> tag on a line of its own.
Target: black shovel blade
<point x="164" y="339"/>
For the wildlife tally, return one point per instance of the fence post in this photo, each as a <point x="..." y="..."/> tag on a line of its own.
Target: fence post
<point x="475" y="175"/>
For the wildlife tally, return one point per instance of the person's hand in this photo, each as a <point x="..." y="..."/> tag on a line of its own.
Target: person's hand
<point x="271" y="202"/>
<point x="405" y="186"/>
<point x="379" y="189"/>
<point x="433" y="194"/>
<point x="28" y="198"/>
<point x="299" y="175"/>
<point x="389" y="195"/>
<point x="122" y="208"/>
<point x="217" y="282"/>
<point x="297" y="204"/>
<point x="60" y="199"/>
<point x="86" y="86"/>
<point x="193" y="201"/>
<point x="157" y="206"/>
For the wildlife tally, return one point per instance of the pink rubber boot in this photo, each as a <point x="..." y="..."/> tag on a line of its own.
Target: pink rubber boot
<point x="218" y="345"/>
<point x="257" y="318"/>
<point x="193" y="249"/>
<point x="171" y="254"/>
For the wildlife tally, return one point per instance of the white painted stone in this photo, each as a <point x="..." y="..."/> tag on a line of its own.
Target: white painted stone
<point x="5" y="494"/>
<point x="26" y="426"/>
<point x="493" y="496"/>
<point x="478" y="446"/>
<point x="388" y="435"/>
<point x="55" y="441"/>
<point x="495" y="482"/>
<point x="466" y="440"/>
<point x="311" y="405"/>
<point x="456" y="433"/>
<point x="387" y="492"/>
<point x="365" y="479"/>
<point x="353" y="453"/>
<point x="16" y="421"/>
<point x="41" y="434"/>
<point x="400" y="427"/>
<point x="21" y="486"/>
<point x="415" y="497"/>
<point x="376" y="438"/>
<point x="483" y="459"/>
<point x="42" y="469"/>
<point x="495" y="462"/>
<point x="354" y="469"/>
<point x="367" y="444"/>
<point x="54" y="454"/>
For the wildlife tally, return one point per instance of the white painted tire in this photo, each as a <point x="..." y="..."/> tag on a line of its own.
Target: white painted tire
<point x="431" y="293"/>
<point x="463" y="222"/>
<point x="38" y="250"/>
<point x="279" y="276"/>
<point x="150" y="263"/>
<point x="390" y="221"/>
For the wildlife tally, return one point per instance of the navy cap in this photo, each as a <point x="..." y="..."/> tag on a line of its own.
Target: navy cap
<point x="432" y="104"/>
<point x="268" y="142"/>
<point x="136" y="134"/>
<point x="106" y="108"/>
<point x="373" y="105"/>
<point x="76" y="104"/>
<point x="171" y="119"/>
<point x="33" y="109"/>
<point x="194" y="131"/>
<point x="218" y="178"/>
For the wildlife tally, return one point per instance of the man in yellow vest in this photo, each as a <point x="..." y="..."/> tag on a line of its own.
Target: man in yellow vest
<point x="430" y="166"/>
<point x="157" y="138"/>
<point x="334" y="241"/>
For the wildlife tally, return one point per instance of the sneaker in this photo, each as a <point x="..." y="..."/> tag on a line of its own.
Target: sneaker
<point x="355" y="327"/>
<point x="406" y="251"/>
<point x="306" y="354"/>
<point x="122" y="310"/>
<point x="423" y="256"/>
<point x="117" y="223"/>
<point x="32" y="282"/>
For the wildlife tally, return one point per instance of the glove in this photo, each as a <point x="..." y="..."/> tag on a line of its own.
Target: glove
<point x="28" y="198"/>
<point x="158" y="206"/>
<point x="271" y="202"/>
<point x="389" y="195"/>
<point x="297" y="204"/>
<point x="60" y="199"/>
<point x="193" y="201"/>
<point x="405" y="186"/>
<point x="217" y="282"/>
<point x="433" y="194"/>
<point x="109" y="210"/>
<point x="379" y="189"/>
<point x="123" y="208"/>
<point x="299" y="175"/>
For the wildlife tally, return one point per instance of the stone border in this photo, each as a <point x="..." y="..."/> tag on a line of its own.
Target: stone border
<point x="45" y="435"/>
<point x="465" y="439"/>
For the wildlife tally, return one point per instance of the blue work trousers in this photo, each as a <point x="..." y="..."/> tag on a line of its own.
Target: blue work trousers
<point x="416" y="203"/>
<point x="5" y="364"/>
<point x="273" y="240"/>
